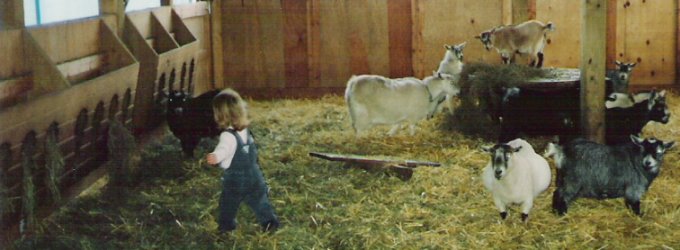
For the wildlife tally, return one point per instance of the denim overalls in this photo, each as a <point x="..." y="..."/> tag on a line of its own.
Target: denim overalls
<point x="243" y="182"/>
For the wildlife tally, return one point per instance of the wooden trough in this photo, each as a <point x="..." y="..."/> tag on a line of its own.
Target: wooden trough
<point x="79" y="77"/>
<point x="167" y="51"/>
<point x="402" y="168"/>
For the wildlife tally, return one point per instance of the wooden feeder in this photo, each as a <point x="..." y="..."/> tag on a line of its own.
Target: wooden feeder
<point x="167" y="51"/>
<point x="72" y="77"/>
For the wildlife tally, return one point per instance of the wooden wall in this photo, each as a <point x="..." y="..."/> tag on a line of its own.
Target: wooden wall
<point x="308" y="48"/>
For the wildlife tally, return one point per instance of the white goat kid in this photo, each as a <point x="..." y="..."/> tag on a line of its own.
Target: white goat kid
<point x="452" y="64"/>
<point x="374" y="100"/>
<point x="515" y="175"/>
<point x="528" y="38"/>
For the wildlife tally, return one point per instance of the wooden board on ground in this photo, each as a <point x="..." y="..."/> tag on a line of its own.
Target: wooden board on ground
<point x="403" y="168"/>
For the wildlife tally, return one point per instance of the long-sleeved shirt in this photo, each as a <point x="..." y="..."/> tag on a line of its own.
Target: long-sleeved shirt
<point x="226" y="147"/>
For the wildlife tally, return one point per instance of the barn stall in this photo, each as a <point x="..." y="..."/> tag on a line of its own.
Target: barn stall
<point x="271" y="51"/>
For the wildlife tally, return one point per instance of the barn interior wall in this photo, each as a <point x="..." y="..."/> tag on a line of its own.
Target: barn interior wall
<point x="289" y="48"/>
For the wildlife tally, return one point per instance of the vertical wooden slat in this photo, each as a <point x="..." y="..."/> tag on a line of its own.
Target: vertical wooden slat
<point x="12" y="14"/>
<point x="520" y="11"/>
<point x="116" y="8"/>
<point x="399" y="21"/>
<point x="295" y="43"/>
<point x="508" y="11"/>
<point x="531" y="9"/>
<point x="611" y="34"/>
<point x="314" y="49"/>
<point x="677" y="42"/>
<point x="593" y="57"/>
<point x="217" y="55"/>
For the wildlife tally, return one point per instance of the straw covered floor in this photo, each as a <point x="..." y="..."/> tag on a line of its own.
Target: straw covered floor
<point x="326" y="205"/>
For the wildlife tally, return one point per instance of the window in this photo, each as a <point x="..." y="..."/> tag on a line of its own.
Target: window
<point x="133" y="5"/>
<point x="38" y="12"/>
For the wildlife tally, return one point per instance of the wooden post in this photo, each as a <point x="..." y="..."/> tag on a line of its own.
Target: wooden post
<point x="116" y="8"/>
<point x="677" y="43"/>
<point x="11" y="14"/>
<point x="217" y="50"/>
<point x="593" y="59"/>
<point x="507" y="12"/>
<point x="520" y="11"/>
<point x="611" y="34"/>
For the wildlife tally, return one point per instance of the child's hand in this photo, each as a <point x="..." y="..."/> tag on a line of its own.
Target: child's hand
<point x="211" y="159"/>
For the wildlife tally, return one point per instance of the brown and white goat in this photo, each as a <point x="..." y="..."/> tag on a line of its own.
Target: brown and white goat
<point x="527" y="38"/>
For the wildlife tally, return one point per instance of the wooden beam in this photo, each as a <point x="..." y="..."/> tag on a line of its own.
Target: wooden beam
<point x="217" y="54"/>
<point x="677" y="43"/>
<point x="400" y="33"/>
<point x="116" y="8"/>
<point x="611" y="34"/>
<point x="295" y="43"/>
<point x="11" y="14"/>
<point x="593" y="58"/>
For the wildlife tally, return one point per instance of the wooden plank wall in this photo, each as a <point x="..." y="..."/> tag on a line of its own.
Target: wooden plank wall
<point x="197" y="19"/>
<point x="291" y="48"/>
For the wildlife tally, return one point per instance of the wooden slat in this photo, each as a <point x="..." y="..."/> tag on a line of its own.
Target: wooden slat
<point x="593" y="56"/>
<point x="566" y="40"/>
<point x="295" y="43"/>
<point x="648" y="33"/>
<point x="400" y="26"/>
<point x="217" y="56"/>
<point x="677" y="42"/>
<point x="611" y="34"/>
<point x="14" y="90"/>
<point x="12" y="14"/>
<point x="334" y="60"/>
<point x="82" y="69"/>
<point x="314" y="49"/>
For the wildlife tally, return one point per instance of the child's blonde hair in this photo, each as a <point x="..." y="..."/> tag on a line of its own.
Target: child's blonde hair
<point x="230" y="110"/>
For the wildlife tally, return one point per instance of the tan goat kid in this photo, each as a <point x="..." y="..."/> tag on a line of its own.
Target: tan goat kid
<point x="527" y="38"/>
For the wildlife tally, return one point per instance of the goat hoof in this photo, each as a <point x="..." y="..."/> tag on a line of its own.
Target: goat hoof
<point x="525" y="217"/>
<point x="504" y="215"/>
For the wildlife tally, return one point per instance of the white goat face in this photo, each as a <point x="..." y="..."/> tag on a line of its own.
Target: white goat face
<point x="624" y="70"/>
<point x="485" y="37"/>
<point x="500" y="155"/>
<point x="653" y="151"/>
<point x="455" y="51"/>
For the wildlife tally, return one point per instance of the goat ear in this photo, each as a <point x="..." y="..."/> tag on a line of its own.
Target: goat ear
<point x="636" y="139"/>
<point x="487" y="149"/>
<point x="461" y="46"/>
<point x="632" y="64"/>
<point x="669" y="145"/>
<point x="556" y="139"/>
<point x="448" y="47"/>
<point x="617" y="62"/>
<point x="662" y="93"/>
<point x="517" y="149"/>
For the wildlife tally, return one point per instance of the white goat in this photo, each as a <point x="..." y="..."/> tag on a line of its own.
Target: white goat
<point x="374" y="99"/>
<point x="515" y="175"/>
<point x="452" y="64"/>
<point x="527" y="38"/>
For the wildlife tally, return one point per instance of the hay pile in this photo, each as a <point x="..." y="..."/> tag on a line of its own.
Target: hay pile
<point x="481" y="93"/>
<point x="323" y="205"/>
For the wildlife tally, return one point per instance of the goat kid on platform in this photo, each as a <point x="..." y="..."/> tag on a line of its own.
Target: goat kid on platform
<point x="594" y="170"/>
<point x="515" y="175"/>
<point x="528" y="38"/>
<point x="374" y="100"/>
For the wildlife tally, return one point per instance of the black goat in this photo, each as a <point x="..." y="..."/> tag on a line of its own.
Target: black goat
<point x="592" y="170"/>
<point x="624" y="121"/>
<point x="191" y="119"/>
<point x="539" y="112"/>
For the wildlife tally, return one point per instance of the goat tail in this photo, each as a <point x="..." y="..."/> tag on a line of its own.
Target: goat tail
<point x="549" y="27"/>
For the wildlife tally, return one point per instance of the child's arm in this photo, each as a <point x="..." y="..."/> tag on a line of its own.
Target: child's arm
<point x="224" y="151"/>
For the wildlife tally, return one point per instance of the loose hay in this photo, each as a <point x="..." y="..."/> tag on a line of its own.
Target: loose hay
<point x="325" y="206"/>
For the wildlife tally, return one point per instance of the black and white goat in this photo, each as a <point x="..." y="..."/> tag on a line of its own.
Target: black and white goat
<point x="591" y="170"/>
<point x="528" y="38"/>
<point x="619" y="77"/>
<point x="624" y="121"/>
<point x="515" y="175"/>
